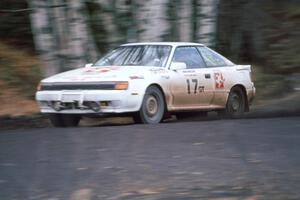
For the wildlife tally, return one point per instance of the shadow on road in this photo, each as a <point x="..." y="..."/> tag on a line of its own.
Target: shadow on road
<point x="40" y="121"/>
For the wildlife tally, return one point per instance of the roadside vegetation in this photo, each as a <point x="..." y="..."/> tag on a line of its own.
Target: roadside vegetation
<point x="271" y="85"/>
<point x="19" y="70"/>
<point x="264" y="34"/>
<point x="19" y="76"/>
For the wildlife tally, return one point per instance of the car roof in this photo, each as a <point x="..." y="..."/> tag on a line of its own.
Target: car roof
<point x="164" y="43"/>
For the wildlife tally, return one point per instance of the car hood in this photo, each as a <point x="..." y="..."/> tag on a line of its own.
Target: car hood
<point x="103" y="73"/>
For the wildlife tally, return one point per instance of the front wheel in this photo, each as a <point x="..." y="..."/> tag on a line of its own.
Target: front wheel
<point x="64" y="120"/>
<point x="153" y="107"/>
<point x="236" y="104"/>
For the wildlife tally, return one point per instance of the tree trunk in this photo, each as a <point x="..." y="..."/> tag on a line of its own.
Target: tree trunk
<point x="81" y="46"/>
<point x="152" y="20"/>
<point x="43" y="37"/>
<point x="185" y="29"/>
<point x="207" y="22"/>
<point x="195" y="19"/>
<point x="61" y="34"/>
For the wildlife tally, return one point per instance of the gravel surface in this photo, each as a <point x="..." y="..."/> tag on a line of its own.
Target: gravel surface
<point x="214" y="159"/>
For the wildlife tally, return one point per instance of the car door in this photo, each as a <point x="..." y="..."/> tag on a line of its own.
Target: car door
<point x="191" y="87"/>
<point x="222" y="72"/>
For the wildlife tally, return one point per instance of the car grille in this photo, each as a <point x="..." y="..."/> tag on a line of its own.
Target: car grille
<point x="76" y="86"/>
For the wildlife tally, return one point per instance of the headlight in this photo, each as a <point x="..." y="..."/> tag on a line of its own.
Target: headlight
<point x="121" y="85"/>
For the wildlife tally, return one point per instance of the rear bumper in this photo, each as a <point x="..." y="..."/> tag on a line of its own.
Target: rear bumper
<point x="88" y="101"/>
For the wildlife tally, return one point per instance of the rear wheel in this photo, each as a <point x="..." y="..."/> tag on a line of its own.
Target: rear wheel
<point x="64" y="120"/>
<point x="153" y="107"/>
<point x="236" y="104"/>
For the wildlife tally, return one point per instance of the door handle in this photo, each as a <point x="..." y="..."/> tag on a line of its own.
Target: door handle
<point x="207" y="76"/>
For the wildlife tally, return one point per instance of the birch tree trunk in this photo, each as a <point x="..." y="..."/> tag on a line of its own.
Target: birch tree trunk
<point x="61" y="35"/>
<point x="185" y="29"/>
<point x="105" y="22"/>
<point x="43" y="37"/>
<point x="81" y="46"/>
<point x="64" y="40"/>
<point x="208" y="22"/>
<point x="195" y="18"/>
<point x="152" y="22"/>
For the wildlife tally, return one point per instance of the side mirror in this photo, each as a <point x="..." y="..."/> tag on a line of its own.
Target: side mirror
<point x="177" y="66"/>
<point x="88" y="65"/>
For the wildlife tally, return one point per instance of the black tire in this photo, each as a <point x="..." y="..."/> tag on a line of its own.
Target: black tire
<point x="71" y="120"/>
<point x="56" y="120"/>
<point x="153" y="107"/>
<point x="236" y="104"/>
<point x="64" y="120"/>
<point x="136" y="118"/>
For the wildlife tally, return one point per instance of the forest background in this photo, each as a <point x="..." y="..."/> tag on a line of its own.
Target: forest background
<point x="41" y="38"/>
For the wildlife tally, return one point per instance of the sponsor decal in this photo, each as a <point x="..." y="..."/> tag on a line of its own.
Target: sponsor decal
<point x="101" y="69"/>
<point x="165" y="77"/>
<point x="219" y="80"/>
<point x="189" y="71"/>
<point x="77" y="78"/>
<point x="190" y="75"/>
<point x="158" y="71"/>
<point x="136" y="77"/>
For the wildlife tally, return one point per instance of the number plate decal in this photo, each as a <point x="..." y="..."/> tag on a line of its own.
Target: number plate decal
<point x="71" y="97"/>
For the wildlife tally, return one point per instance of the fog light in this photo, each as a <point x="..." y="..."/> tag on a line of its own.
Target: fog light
<point x="56" y="105"/>
<point x="104" y="103"/>
<point x="94" y="106"/>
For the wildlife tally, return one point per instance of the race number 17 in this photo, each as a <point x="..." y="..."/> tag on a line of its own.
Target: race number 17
<point x="192" y="85"/>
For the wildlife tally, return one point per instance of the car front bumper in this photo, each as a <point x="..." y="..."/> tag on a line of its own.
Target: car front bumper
<point x="89" y="101"/>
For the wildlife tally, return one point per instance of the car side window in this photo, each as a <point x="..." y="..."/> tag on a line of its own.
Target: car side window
<point x="190" y="56"/>
<point x="213" y="59"/>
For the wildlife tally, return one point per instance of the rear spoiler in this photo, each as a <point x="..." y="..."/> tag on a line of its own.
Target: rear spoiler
<point x="243" y="67"/>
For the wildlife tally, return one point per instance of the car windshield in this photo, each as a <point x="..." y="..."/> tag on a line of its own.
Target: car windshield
<point x="139" y="55"/>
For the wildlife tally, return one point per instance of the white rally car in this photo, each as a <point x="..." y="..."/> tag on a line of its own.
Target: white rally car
<point x="148" y="81"/>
